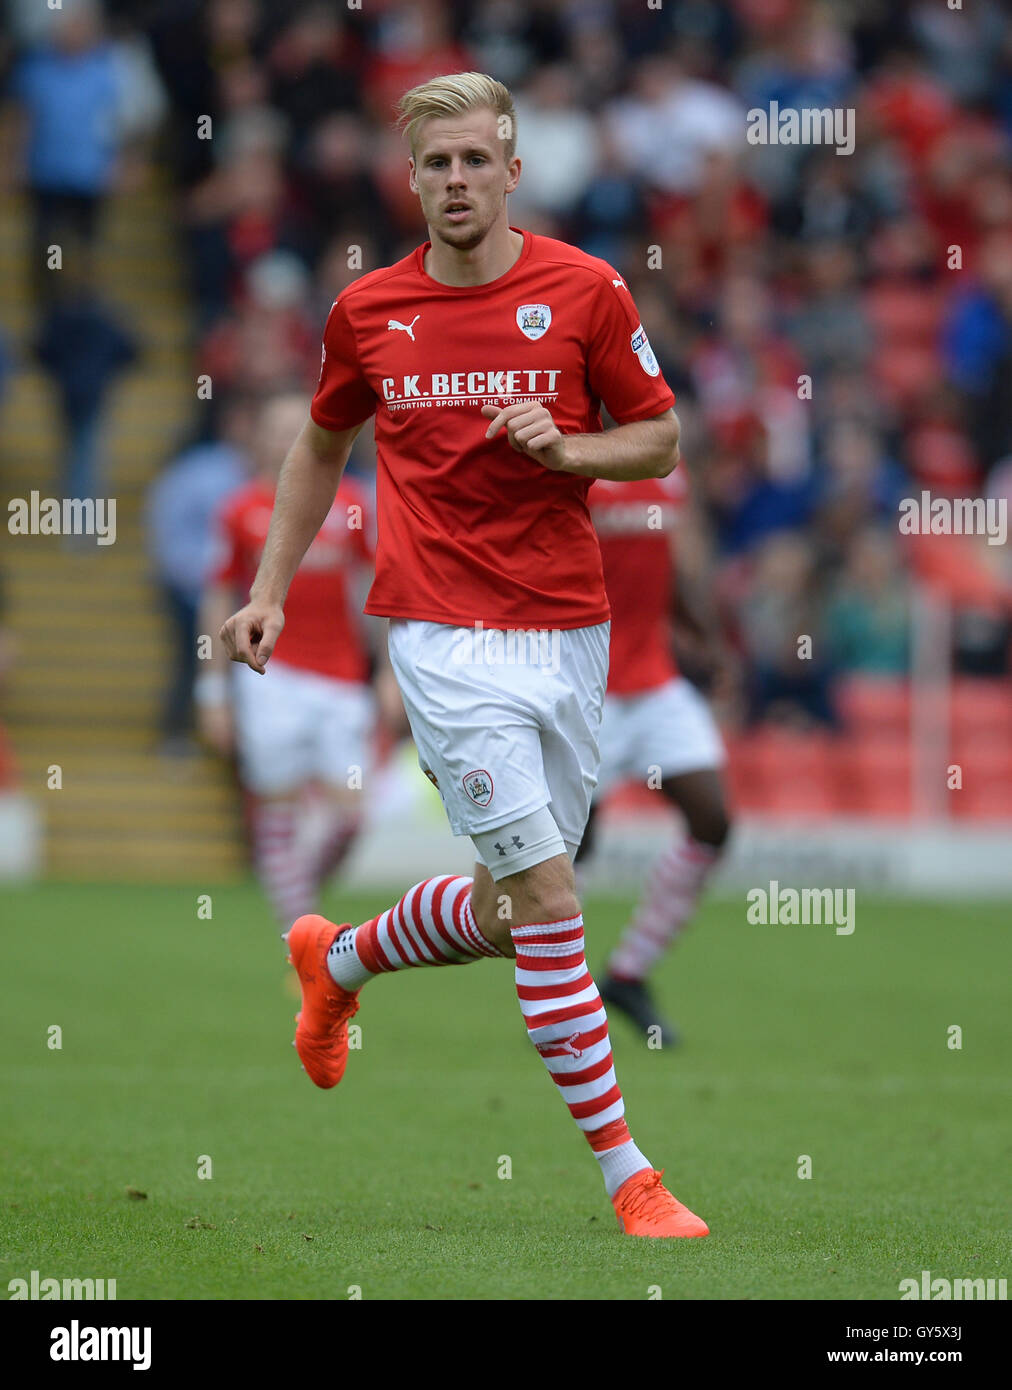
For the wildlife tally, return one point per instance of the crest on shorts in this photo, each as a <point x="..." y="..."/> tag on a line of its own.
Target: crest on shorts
<point x="534" y="320"/>
<point x="478" y="785"/>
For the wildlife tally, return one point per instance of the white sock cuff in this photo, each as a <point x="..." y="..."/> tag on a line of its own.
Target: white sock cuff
<point x="619" y="1164"/>
<point x="343" y="962"/>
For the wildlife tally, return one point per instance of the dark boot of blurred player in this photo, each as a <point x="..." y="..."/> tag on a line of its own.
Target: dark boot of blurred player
<point x="303" y="731"/>
<point x="657" y="730"/>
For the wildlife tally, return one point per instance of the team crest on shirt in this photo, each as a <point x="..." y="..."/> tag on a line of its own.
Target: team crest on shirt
<point x="640" y="344"/>
<point x="534" y="320"/>
<point x="478" y="785"/>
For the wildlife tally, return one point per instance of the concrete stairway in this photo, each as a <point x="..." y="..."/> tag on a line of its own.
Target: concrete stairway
<point x="93" y="648"/>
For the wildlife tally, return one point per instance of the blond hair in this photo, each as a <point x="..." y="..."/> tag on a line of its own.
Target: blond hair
<point x="453" y="94"/>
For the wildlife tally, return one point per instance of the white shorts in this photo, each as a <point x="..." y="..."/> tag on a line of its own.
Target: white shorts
<point x="505" y="722"/>
<point x="668" y="730"/>
<point x="293" y="726"/>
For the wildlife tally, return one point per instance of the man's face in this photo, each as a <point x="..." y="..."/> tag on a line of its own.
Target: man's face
<point x="459" y="162"/>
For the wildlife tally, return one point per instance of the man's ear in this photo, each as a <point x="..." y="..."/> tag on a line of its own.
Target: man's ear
<point x="412" y="181"/>
<point x="513" y="173"/>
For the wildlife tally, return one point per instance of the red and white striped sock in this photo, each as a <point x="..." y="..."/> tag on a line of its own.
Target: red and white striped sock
<point x="676" y="881"/>
<point x="433" y="924"/>
<point x="567" y="1024"/>
<point x="282" y="867"/>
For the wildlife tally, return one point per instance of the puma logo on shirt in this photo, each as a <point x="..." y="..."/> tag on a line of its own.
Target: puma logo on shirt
<point x="407" y="328"/>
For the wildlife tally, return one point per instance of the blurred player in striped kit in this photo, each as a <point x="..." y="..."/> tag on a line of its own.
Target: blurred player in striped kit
<point x="657" y="728"/>
<point x="303" y="739"/>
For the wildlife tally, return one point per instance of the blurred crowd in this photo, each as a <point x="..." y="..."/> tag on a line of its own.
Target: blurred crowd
<point x="837" y="328"/>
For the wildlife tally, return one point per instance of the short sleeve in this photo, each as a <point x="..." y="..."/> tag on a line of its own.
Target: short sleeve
<point x="343" y="396"/>
<point x="621" y="367"/>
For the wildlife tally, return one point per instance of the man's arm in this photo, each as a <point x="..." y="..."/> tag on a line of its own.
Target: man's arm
<point x="643" y="449"/>
<point x="210" y="688"/>
<point x="305" y="494"/>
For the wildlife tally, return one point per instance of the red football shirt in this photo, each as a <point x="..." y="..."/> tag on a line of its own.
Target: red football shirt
<point x="634" y="522"/>
<point x="321" y="632"/>
<point x="469" y="529"/>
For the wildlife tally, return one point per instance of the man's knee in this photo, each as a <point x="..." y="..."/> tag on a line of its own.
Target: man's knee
<point x="710" y="825"/>
<point x="701" y="799"/>
<point x="545" y="892"/>
<point x="487" y="907"/>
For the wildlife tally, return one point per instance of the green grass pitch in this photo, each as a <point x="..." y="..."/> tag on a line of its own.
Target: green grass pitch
<point x="176" y="1044"/>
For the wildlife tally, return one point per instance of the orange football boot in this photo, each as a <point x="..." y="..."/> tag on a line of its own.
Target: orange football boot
<point x="645" y="1207"/>
<point x="321" y="1032"/>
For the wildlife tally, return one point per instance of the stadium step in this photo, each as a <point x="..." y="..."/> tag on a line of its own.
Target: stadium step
<point x="93" y="646"/>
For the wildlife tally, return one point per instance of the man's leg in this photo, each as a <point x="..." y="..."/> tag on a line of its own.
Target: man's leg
<point x="536" y="916"/>
<point x="273" y="724"/>
<point x="672" y="894"/>
<point x="82" y="468"/>
<point x="499" y="747"/>
<point x="46" y="232"/>
<point x="334" y="814"/>
<point x="284" y="871"/>
<point x="342" y="715"/>
<point x="182" y="610"/>
<point x="539" y="912"/>
<point x="678" y="876"/>
<point x="432" y="924"/>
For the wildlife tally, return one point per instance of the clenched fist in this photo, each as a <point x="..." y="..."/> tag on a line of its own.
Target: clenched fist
<point x="531" y="431"/>
<point x="251" y="634"/>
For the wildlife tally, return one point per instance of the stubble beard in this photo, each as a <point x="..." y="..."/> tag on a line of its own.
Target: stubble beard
<point x="461" y="239"/>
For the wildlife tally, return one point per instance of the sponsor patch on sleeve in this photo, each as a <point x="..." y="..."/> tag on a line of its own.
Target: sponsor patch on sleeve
<point x="641" y="347"/>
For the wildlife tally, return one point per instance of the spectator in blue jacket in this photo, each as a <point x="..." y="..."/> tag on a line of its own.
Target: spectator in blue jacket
<point x="69" y="91"/>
